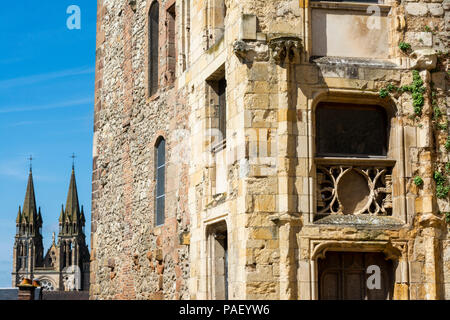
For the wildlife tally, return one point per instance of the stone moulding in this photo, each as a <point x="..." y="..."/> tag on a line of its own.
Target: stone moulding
<point x="392" y="250"/>
<point x="346" y="189"/>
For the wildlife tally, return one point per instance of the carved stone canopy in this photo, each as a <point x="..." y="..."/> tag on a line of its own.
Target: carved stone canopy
<point x="285" y="48"/>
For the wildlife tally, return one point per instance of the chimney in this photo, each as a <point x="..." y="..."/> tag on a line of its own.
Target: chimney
<point x="26" y="289"/>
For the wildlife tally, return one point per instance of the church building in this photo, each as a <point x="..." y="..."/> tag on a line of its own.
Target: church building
<point x="65" y="266"/>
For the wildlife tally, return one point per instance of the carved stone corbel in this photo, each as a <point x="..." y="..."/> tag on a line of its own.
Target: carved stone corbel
<point x="241" y="49"/>
<point x="286" y="49"/>
<point x="282" y="218"/>
<point x="248" y="51"/>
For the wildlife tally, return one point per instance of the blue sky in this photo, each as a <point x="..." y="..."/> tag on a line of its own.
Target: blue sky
<point x="46" y="110"/>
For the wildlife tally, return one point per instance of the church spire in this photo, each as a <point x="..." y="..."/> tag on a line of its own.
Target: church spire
<point x="72" y="204"/>
<point x="30" y="214"/>
<point x="71" y="218"/>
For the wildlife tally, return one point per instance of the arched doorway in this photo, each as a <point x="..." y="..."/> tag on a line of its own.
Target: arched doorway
<point x="345" y="275"/>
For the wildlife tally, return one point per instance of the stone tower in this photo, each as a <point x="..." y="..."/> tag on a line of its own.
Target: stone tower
<point x="72" y="249"/>
<point x="28" y="248"/>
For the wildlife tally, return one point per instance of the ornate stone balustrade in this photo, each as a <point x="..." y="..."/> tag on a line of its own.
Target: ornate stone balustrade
<point x="354" y="188"/>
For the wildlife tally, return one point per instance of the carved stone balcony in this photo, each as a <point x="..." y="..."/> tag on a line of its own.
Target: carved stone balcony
<point x="355" y="188"/>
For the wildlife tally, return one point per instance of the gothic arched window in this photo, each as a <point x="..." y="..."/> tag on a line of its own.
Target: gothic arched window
<point x="153" y="48"/>
<point x="160" y="174"/>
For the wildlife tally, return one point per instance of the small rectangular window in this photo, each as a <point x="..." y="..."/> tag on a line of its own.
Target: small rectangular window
<point x="222" y="108"/>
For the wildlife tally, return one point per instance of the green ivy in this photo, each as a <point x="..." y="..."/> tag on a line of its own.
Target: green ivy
<point x="418" y="181"/>
<point x="416" y="88"/>
<point x="437" y="113"/>
<point x="442" y="189"/>
<point x="447" y="144"/>
<point x="383" y="93"/>
<point x="404" y="46"/>
<point x="447" y="217"/>
<point x="442" y="126"/>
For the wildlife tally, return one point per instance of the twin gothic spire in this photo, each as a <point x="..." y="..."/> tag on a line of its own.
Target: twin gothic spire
<point x="71" y="220"/>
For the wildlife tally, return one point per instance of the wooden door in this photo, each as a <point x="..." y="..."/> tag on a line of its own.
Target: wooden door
<point x="343" y="276"/>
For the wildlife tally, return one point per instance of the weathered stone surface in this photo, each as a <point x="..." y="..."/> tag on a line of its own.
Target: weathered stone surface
<point x="262" y="203"/>
<point x="436" y="10"/>
<point x="424" y="59"/>
<point x="416" y="9"/>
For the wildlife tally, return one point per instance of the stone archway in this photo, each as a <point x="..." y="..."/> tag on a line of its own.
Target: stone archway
<point x="390" y="257"/>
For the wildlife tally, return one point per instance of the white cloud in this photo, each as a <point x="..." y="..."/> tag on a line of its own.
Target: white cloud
<point x="27" y="80"/>
<point x="57" y="105"/>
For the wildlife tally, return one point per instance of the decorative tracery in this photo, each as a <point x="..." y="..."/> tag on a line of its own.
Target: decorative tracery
<point x="345" y="189"/>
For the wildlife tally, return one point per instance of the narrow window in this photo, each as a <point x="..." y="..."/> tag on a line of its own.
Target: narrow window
<point x="160" y="193"/>
<point x="217" y="262"/>
<point x="217" y="87"/>
<point x="171" y="50"/>
<point x="222" y="86"/>
<point x="153" y="46"/>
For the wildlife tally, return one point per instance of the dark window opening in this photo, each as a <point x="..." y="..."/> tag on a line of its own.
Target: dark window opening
<point x="153" y="41"/>
<point x="351" y="130"/>
<point x="160" y="192"/>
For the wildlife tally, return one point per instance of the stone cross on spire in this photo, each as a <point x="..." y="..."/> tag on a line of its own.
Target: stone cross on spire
<point x="31" y="163"/>
<point x="73" y="156"/>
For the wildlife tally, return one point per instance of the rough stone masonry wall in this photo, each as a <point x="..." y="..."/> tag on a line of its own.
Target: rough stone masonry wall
<point x="131" y="258"/>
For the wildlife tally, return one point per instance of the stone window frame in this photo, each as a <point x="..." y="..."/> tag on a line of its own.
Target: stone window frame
<point x="184" y="29"/>
<point x="217" y="143"/>
<point x="214" y="30"/>
<point x="395" y="153"/>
